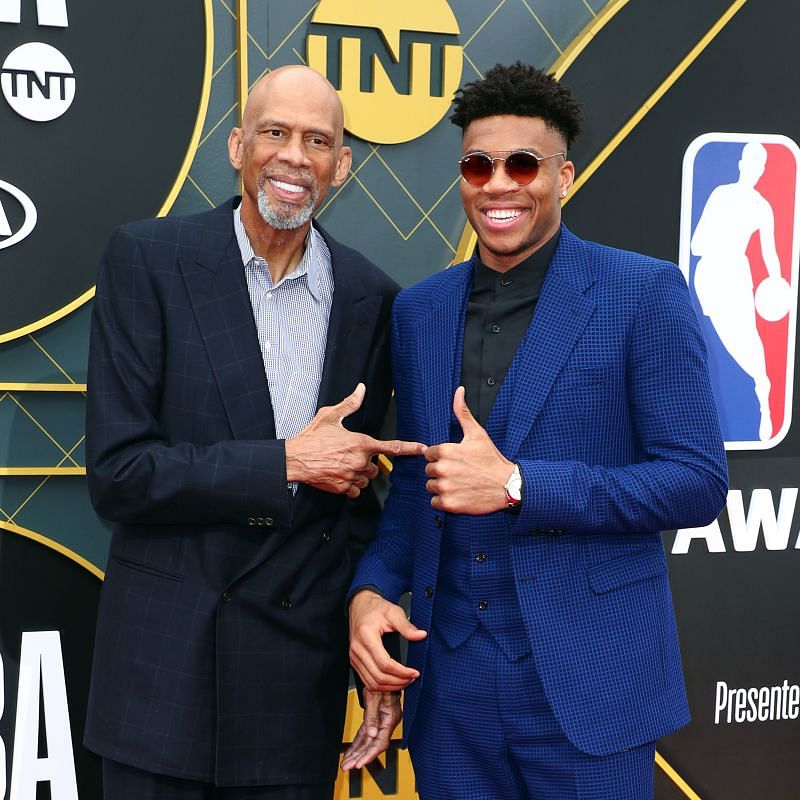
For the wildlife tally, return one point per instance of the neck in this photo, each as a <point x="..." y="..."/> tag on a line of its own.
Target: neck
<point x="281" y="249"/>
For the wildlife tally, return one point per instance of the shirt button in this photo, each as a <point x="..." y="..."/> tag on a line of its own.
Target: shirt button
<point x="429" y="592"/>
<point x="483" y="605"/>
<point x="480" y="557"/>
<point x="267" y="347"/>
<point x="491" y="381"/>
<point x="269" y="295"/>
<point x="286" y="604"/>
<point x="226" y="596"/>
<point x="505" y="282"/>
<point x="495" y="329"/>
<point x="437" y="521"/>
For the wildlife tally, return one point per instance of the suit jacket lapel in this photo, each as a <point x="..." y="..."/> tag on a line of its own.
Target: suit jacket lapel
<point x="350" y="327"/>
<point x="563" y="309"/>
<point x="440" y="342"/>
<point x="217" y="287"/>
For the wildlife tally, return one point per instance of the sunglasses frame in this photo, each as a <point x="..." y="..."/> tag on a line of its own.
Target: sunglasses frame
<point x="493" y="159"/>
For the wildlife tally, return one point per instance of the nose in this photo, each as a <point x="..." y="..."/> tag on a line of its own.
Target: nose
<point x="294" y="152"/>
<point x="499" y="183"/>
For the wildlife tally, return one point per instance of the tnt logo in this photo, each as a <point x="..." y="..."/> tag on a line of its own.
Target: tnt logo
<point x="395" y="65"/>
<point x="36" y="79"/>
<point x="740" y="240"/>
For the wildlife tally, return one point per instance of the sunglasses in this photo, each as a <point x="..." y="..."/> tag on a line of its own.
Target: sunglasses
<point x="520" y="165"/>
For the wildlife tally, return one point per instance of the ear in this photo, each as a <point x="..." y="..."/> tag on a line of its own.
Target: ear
<point x="235" y="143"/>
<point x="344" y="161"/>
<point x="566" y="177"/>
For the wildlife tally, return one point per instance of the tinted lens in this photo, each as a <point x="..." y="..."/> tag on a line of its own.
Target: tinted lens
<point x="476" y="168"/>
<point x="522" y="167"/>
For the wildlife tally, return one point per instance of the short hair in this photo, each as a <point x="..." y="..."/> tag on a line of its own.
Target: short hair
<point x="522" y="90"/>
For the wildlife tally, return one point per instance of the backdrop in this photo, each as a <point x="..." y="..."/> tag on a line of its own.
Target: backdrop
<point x="111" y="111"/>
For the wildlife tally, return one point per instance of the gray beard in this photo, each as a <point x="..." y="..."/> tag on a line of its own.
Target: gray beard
<point x="284" y="216"/>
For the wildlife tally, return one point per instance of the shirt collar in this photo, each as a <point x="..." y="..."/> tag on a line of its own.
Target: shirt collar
<point x="309" y="263"/>
<point x="527" y="270"/>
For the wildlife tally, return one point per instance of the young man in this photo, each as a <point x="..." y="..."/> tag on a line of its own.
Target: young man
<point x="543" y="658"/>
<point x="240" y="502"/>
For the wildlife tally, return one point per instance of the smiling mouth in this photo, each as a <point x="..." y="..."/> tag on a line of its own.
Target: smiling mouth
<point x="294" y="188"/>
<point x="503" y="214"/>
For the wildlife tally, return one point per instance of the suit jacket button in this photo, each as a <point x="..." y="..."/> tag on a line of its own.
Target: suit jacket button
<point x="326" y="537"/>
<point x="268" y="522"/>
<point x="483" y="605"/>
<point x="251" y="521"/>
<point x="286" y="604"/>
<point x="429" y="592"/>
<point x="480" y="557"/>
<point x="437" y="521"/>
<point x="226" y="596"/>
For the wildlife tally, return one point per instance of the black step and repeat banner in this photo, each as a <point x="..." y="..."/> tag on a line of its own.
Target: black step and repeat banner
<point x="689" y="154"/>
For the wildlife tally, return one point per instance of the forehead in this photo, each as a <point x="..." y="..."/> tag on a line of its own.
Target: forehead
<point x="510" y="132"/>
<point x="296" y="100"/>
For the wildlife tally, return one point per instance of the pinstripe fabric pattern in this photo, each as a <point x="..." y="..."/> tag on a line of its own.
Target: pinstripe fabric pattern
<point x="608" y="409"/>
<point x="292" y="323"/>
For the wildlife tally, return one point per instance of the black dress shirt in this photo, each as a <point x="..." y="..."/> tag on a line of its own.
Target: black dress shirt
<point x="499" y="311"/>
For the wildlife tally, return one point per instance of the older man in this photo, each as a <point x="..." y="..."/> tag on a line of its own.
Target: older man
<point x="239" y="492"/>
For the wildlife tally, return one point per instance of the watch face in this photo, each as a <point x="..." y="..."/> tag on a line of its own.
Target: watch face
<point x="514" y="487"/>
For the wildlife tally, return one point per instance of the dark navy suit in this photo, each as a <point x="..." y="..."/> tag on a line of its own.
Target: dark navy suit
<point x="608" y="410"/>
<point x="221" y="652"/>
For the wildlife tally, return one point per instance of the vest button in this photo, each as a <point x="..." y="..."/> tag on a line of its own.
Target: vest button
<point x="286" y="604"/>
<point x="226" y="596"/>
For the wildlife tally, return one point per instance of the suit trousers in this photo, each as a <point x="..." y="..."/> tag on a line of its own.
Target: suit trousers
<point x="484" y="730"/>
<point x="123" y="782"/>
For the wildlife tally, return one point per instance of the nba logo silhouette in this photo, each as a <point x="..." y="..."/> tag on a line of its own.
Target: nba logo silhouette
<point x="739" y="245"/>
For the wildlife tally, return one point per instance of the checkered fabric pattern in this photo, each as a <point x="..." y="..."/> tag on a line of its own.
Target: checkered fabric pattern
<point x="608" y="409"/>
<point x="221" y="648"/>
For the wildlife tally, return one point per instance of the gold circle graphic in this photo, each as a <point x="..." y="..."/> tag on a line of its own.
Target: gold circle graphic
<point x="407" y="54"/>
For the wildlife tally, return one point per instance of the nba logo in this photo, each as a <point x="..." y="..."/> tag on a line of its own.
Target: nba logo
<point x="739" y="245"/>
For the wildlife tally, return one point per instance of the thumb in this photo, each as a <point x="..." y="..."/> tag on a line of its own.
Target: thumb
<point x="372" y="712"/>
<point x="469" y="424"/>
<point x="351" y="403"/>
<point x="406" y="628"/>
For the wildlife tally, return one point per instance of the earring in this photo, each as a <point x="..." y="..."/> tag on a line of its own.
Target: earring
<point x="564" y="193"/>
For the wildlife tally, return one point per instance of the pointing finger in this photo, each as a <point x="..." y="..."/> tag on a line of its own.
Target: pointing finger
<point x="395" y="447"/>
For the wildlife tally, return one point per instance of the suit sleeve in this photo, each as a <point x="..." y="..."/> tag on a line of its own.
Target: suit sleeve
<point x="386" y="566"/>
<point x="680" y="475"/>
<point x="135" y="473"/>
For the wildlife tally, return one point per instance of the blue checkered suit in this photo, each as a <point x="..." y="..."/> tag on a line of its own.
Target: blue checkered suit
<point x="221" y="652"/>
<point x="608" y="409"/>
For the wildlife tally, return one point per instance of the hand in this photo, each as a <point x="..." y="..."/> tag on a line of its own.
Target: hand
<point x="329" y="457"/>
<point x="382" y="714"/>
<point x="468" y="477"/>
<point x="370" y="617"/>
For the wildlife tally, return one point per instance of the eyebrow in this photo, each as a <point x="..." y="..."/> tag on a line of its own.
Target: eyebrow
<point x="327" y="132"/>
<point x="483" y="151"/>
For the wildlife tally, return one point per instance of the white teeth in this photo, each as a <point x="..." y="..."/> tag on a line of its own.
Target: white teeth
<point x="287" y="187"/>
<point x="502" y="214"/>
